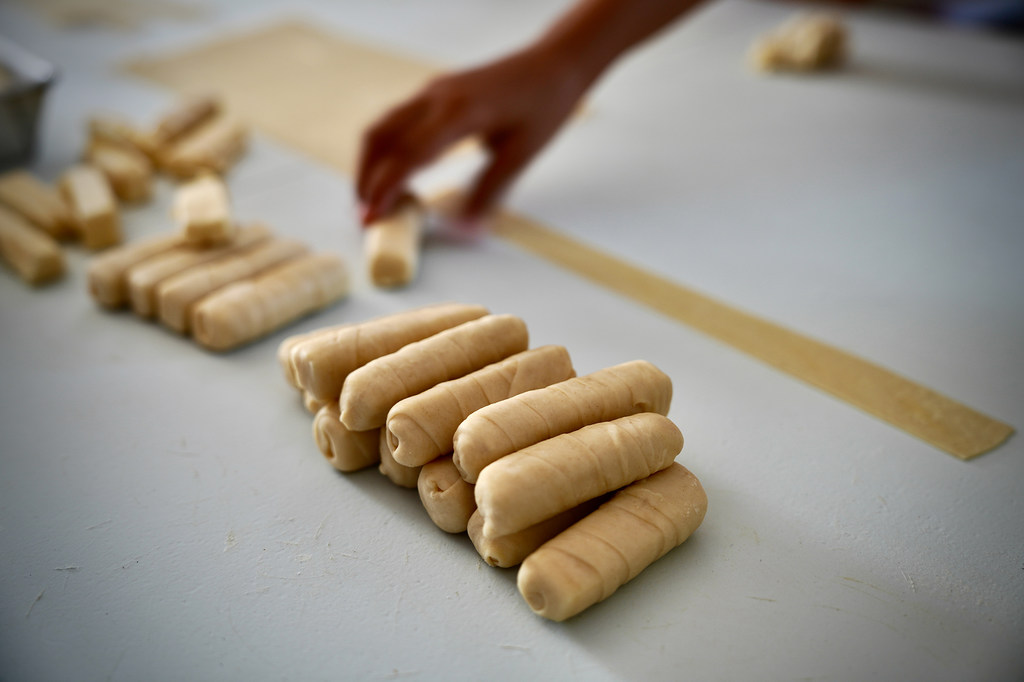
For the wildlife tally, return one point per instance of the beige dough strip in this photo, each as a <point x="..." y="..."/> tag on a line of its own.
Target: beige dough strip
<point x="421" y="428"/>
<point x="93" y="207"/>
<point x="557" y="474"/>
<point x="212" y="147"/>
<point x="372" y="390"/>
<point x="108" y="272"/>
<point x="496" y="430"/>
<point x="33" y="254"/>
<point x="591" y="559"/>
<point x="39" y="203"/>
<point x="323" y="361"/>
<point x="346" y="450"/>
<point x="185" y="117"/>
<point x="176" y="295"/>
<point x="143" y="278"/>
<point x="447" y="498"/>
<point x="249" y="309"/>
<point x="392" y="245"/>
<point x="202" y="210"/>
<point x="509" y="550"/>
<point x="357" y="82"/>
<point x="400" y="475"/>
<point x="129" y="173"/>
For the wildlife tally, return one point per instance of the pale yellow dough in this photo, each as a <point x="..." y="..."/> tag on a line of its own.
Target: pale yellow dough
<point x="108" y="272"/>
<point x="93" y="207"/>
<point x="33" y="254"/>
<point x="807" y="42"/>
<point x="392" y="245"/>
<point x="40" y="204"/>
<point x="447" y="498"/>
<point x="213" y="147"/>
<point x="400" y="475"/>
<point x="202" y="210"/>
<point x="345" y="450"/>
<point x="129" y="172"/>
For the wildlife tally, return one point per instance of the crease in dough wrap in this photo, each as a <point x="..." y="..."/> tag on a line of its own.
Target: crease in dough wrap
<point x="447" y="498"/>
<point x="391" y="245"/>
<point x="420" y="428"/>
<point x="212" y="147"/>
<point x="323" y="361"/>
<point x="37" y="202"/>
<point x="346" y="450"/>
<point x="286" y="358"/>
<point x="314" y="405"/>
<point x="129" y="172"/>
<point x="505" y="551"/>
<point x="372" y="390"/>
<point x="177" y="295"/>
<point x="399" y="474"/>
<point x="202" y="210"/>
<point x="494" y="431"/>
<point x="144" y="277"/>
<point x="93" y="207"/>
<point x="33" y="254"/>
<point x="108" y="272"/>
<point x="249" y="309"/>
<point x="557" y="474"/>
<point x="591" y="559"/>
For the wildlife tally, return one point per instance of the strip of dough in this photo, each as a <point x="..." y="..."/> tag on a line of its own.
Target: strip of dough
<point x="39" y="203"/>
<point x="447" y="498"/>
<point x="509" y="550"/>
<point x="93" y="207"/>
<point x="497" y="430"/>
<point x="372" y="390"/>
<point x="590" y="560"/>
<point x="323" y="361"/>
<point x="108" y="272"/>
<point x="33" y="254"/>
<point x="392" y="245"/>
<point x="129" y="173"/>
<point x="213" y="147"/>
<point x="247" y="310"/>
<point x="176" y="295"/>
<point x="545" y="479"/>
<point x="420" y="428"/>
<point x="345" y="450"/>
<point x="203" y="211"/>
<point x="400" y="475"/>
<point x="144" y="278"/>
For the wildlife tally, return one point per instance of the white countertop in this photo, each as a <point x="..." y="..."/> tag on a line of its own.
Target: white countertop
<point x="165" y="515"/>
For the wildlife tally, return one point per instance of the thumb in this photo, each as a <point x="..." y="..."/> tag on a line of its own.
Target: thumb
<point x="509" y="156"/>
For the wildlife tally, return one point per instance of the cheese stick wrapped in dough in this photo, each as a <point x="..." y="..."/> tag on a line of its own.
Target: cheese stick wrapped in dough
<point x="345" y="450"/>
<point x="372" y="390"/>
<point x="249" y="309"/>
<point x="323" y="361"/>
<point x="591" y="559"/>
<point x="286" y="358"/>
<point x="314" y="405"/>
<point x="37" y="202"/>
<point x="93" y="208"/>
<point x="399" y="474"/>
<point x="176" y="295"/>
<point x="549" y="477"/>
<point x="212" y="147"/>
<point x="202" y="210"/>
<point x="509" y="550"/>
<point x="33" y="254"/>
<point x="446" y="497"/>
<point x="144" y="278"/>
<point x="496" y="430"/>
<point x="420" y="428"/>
<point x="185" y="117"/>
<point x="108" y="272"/>
<point x="129" y="172"/>
<point x="392" y="245"/>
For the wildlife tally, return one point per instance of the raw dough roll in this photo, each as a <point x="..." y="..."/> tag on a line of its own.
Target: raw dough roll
<point x="129" y="173"/>
<point x="119" y="133"/>
<point x="37" y="202"/>
<point x="323" y="361"/>
<point x="32" y="253"/>
<point x="590" y="560"/>
<point x="247" y="310"/>
<point x="373" y="389"/>
<point x="392" y="245"/>
<point x="286" y="358"/>
<point x="213" y="147"/>
<point x="144" y="278"/>
<point x="203" y="211"/>
<point x="185" y="117"/>
<point x="108" y="272"/>
<point x="345" y="450"/>
<point x="420" y="428"/>
<point x="93" y="208"/>
<point x="497" y="430"/>
<point x="545" y="479"/>
<point x="807" y="42"/>
<point x="446" y="497"/>
<point x="509" y="550"/>
<point x="176" y="295"/>
<point x="402" y="476"/>
<point x="314" y="405"/>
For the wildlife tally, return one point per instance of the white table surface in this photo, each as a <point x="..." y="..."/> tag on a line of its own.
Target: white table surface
<point x="165" y="515"/>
